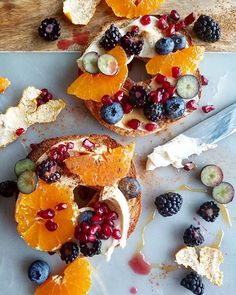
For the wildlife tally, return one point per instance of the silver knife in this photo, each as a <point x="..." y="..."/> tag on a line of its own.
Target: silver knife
<point x="195" y="140"/>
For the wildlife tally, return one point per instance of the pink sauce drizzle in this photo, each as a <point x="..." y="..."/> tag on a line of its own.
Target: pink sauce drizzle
<point x="133" y="290"/>
<point x="139" y="265"/>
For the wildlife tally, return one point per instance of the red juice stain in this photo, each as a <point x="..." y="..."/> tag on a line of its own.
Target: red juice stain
<point x="64" y="44"/>
<point x="133" y="290"/>
<point x="80" y="38"/>
<point x="139" y="265"/>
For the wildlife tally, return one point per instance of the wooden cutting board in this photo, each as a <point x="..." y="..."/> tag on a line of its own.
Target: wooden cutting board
<point x="19" y="20"/>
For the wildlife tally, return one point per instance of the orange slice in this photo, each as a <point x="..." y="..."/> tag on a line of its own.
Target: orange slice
<point x="32" y="228"/>
<point x="187" y="60"/>
<point x="4" y="84"/>
<point x="76" y="280"/>
<point x="102" y="170"/>
<point x="134" y="8"/>
<point x="94" y="87"/>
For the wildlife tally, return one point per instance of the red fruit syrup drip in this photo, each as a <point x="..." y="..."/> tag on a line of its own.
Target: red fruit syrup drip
<point x="80" y="38"/>
<point x="139" y="264"/>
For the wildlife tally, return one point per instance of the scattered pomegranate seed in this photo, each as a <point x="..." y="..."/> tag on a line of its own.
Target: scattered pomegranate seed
<point x="106" y="100"/>
<point x="112" y="216"/>
<point x="93" y="229"/>
<point x="20" y="131"/>
<point x="85" y="227"/>
<point x="204" y="80"/>
<point x="208" y="108"/>
<point x="166" y="85"/>
<point x="171" y="90"/>
<point x="116" y="234"/>
<point x="70" y="145"/>
<point x="180" y="25"/>
<point x="145" y="20"/>
<point x="174" y="15"/>
<point x="33" y="146"/>
<point x="51" y="225"/>
<point x="154" y="96"/>
<point x="165" y="97"/>
<point x="61" y="149"/>
<point x="160" y="78"/>
<point x="46" y="214"/>
<point x="119" y="96"/>
<point x="96" y="219"/>
<point x="109" y="222"/>
<point x="189" y="166"/>
<point x="133" y="124"/>
<point x="176" y="72"/>
<point x="61" y="206"/>
<point x="88" y="144"/>
<point x="192" y="105"/>
<point x="127" y="108"/>
<point x="189" y="19"/>
<point x="103" y="209"/>
<point x="162" y="23"/>
<point x="135" y="29"/>
<point x="170" y="30"/>
<point x="106" y="230"/>
<point x="91" y="238"/>
<point x="151" y="127"/>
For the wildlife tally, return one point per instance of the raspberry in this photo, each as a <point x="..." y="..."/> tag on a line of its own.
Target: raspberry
<point x="49" y="29"/>
<point x="111" y="38"/>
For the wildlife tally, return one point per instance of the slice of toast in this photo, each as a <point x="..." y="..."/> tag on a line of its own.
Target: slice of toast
<point x="79" y="12"/>
<point x="134" y="204"/>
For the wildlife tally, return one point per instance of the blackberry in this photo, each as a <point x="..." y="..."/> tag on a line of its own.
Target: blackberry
<point x="209" y="211"/>
<point x="168" y="204"/>
<point x="69" y="252"/>
<point x="111" y="38"/>
<point x="49" y="29"/>
<point x="193" y="282"/>
<point x="154" y="111"/>
<point x="193" y="237"/>
<point x="132" y="43"/>
<point x="207" y="29"/>
<point x="138" y="96"/>
<point x="91" y="248"/>
<point x="8" y="189"/>
<point x="47" y="171"/>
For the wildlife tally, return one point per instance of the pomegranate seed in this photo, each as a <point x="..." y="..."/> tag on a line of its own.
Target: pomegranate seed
<point x="208" y="108"/>
<point x="61" y="206"/>
<point x="165" y="97"/>
<point x="51" y="225"/>
<point x="85" y="227"/>
<point x="61" y="149"/>
<point x="119" y="96"/>
<point x="180" y="25"/>
<point x="70" y="145"/>
<point x="160" y="92"/>
<point x="154" y="96"/>
<point x="170" y="30"/>
<point x="97" y="205"/>
<point x="88" y="144"/>
<point x="109" y="222"/>
<point x="94" y="229"/>
<point x="102" y="236"/>
<point x="189" y="166"/>
<point x="127" y="108"/>
<point x="174" y="15"/>
<point x="107" y="100"/>
<point x="91" y="238"/>
<point x="33" y="146"/>
<point x="133" y="124"/>
<point x="44" y="92"/>
<point x="112" y="216"/>
<point x="46" y="214"/>
<point x="204" y="80"/>
<point x="166" y="85"/>
<point x="82" y="238"/>
<point x="105" y="208"/>
<point x="20" y="131"/>
<point x="150" y="126"/>
<point x="189" y="19"/>
<point x="160" y="78"/>
<point x="96" y="219"/>
<point x="145" y="20"/>
<point x="162" y="23"/>
<point x="176" y="72"/>
<point x="116" y="234"/>
<point x="77" y="232"/>
<point x="106" y="230"/>
<point x="171" y="90"/>
<point x="192" y="105"/>
<point x="135" y="30"/>
<point x="53" y="155"/>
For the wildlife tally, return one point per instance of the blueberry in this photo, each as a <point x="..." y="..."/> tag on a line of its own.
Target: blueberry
<point x="164" y="46"/>
<point x="180" y="42"/>
<point x="130" y="187"/>
<point x="112" y="113"/>
<point x="39" y="271"/>
<point x="85" y="216"/>
<point x="175" y="107"/>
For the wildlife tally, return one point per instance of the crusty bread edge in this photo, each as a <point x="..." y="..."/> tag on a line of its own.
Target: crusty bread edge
<point x="134" y="204"/>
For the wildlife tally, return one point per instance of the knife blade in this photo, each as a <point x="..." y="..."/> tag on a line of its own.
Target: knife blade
<point x="195" y="140"/>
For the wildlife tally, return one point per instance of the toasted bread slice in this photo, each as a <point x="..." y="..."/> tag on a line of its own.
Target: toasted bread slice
<point x="134" y="204"/>
<point x="79" y="12"/>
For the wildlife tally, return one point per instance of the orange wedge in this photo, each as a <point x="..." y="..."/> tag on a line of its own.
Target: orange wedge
<point x="187" y="60"/>
<point x="76" y="280"/>
<point x="94" y="87"/>
<point x="32" y="228"/>
<point x="102" y="170"/>
<point x="133" y="8"/>
<point x="4" y="84"/>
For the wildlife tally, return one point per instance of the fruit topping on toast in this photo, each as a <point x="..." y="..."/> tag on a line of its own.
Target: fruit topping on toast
<point x="4" y="84"/>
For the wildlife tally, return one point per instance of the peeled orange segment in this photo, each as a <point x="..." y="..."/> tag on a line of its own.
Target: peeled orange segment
<point x="4" y="84"/>
<point x="187" y="60"/>
<point x="133" y="8"/>
<point x="102" y="170"/>
<point x="94" y="87"/>
<point x="76" y="280"/>
<point x="32" y="228"/>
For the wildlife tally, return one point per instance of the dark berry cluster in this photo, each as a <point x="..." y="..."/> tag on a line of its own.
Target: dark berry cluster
<point x="207" y="29"/>
<point x="49" y="29"/>
<point x="193" y="237"/>
<point x="69" y="252"/>
<point x="209" y="211"/>
<point x="169" y="204"/>
<point x="48" y="171"/>
<point x="193" y="282"/>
